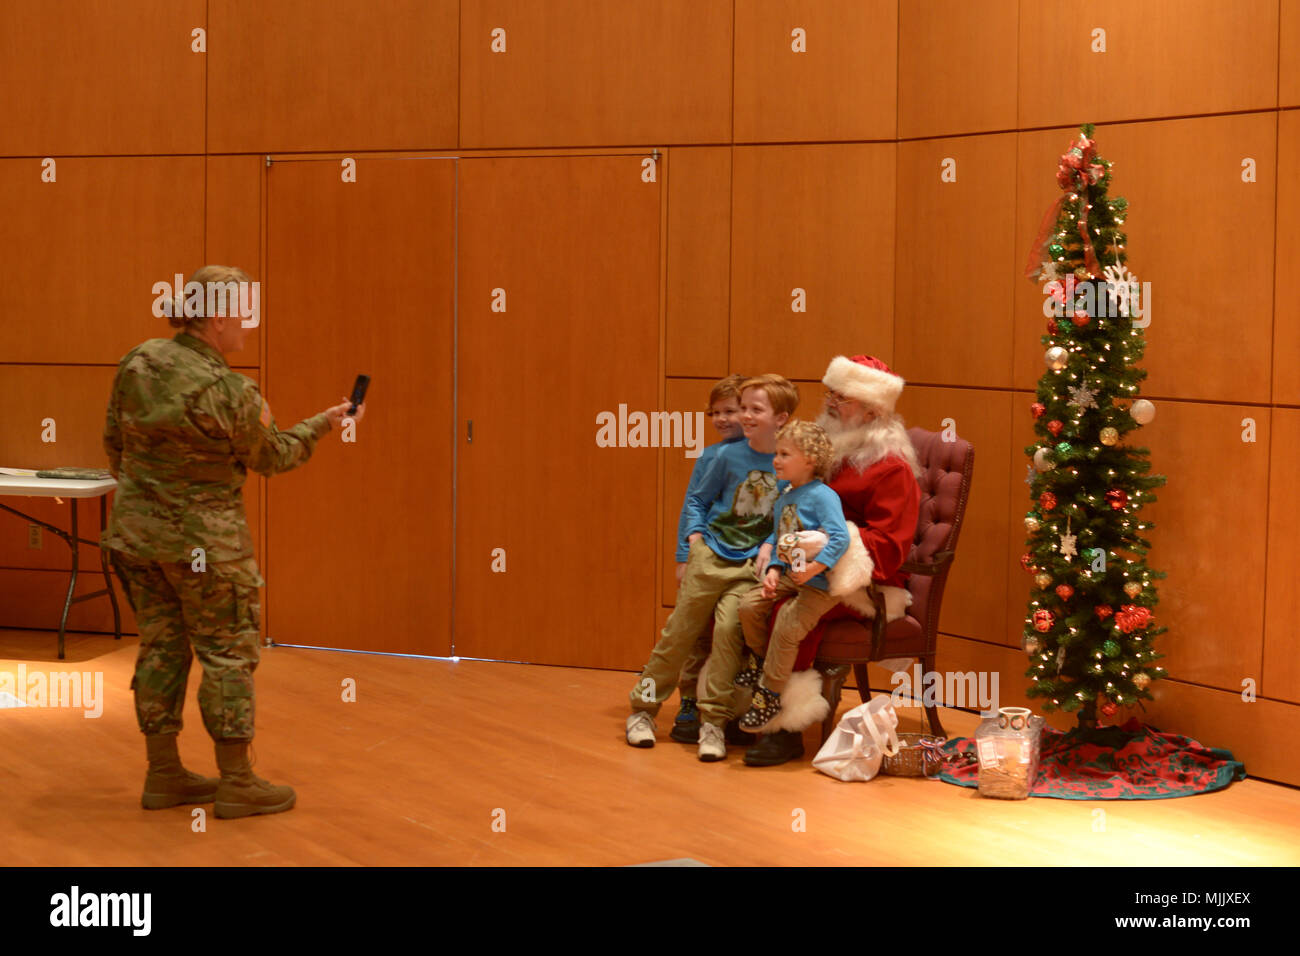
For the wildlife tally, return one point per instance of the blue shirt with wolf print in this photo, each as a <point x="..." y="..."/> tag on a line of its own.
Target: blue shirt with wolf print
<point x="732" y="504"/>
<point x="697" y="475"/>
<point x="811" y="507"/>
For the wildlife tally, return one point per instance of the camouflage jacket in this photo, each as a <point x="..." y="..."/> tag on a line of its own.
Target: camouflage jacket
<point x="182" y="432"/>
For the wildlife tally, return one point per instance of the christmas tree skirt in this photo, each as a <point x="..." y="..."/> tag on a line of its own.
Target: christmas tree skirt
<point x="1133" y="762"/>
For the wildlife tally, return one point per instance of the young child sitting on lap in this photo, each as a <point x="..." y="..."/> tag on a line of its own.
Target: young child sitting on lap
<point x="803" y="455"/>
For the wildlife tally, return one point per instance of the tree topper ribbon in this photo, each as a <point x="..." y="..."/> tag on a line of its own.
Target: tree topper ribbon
<point x="1076" y="170"/>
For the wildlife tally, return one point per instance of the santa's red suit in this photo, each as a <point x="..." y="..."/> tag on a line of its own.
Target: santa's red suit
<point x="883" y="500"/>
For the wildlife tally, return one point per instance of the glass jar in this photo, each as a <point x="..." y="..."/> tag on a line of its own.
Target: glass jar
<point x="1008" y="746"/>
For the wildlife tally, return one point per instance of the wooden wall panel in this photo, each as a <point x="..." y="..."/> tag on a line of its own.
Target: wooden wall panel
<point x="1203" y="238"/>
<point x="31" y="598"/>
<point x="286" y="75"/>
<point x="975" y="602"/>
<point x="360" y="279"/>
<point x="1209" y="537"/>
<point x="94" y="242"/>
<point x="699" y="253"/>
<point x="819" y="218"/>
<point x="574" y="243"/>
<point x="76" y="397"/>
<point x="1289" y="54"/>
<point x="956" y="261"/>
<point x="86" y="77"/>
<point x="1281" y="669"/>
<point x="1286" y="303"/>
<point x="957" y="67"/>
<point x="841" y="87"/>
<point x="1161" y="59"/>
<point x="233" y="234"/>
<point x="591" y="73"/>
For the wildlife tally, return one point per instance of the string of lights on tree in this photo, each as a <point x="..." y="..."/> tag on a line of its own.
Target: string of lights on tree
<point x="1090" y="623"/>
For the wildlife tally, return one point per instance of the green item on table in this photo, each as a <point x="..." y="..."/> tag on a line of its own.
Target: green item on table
<point x="88" y="474"/>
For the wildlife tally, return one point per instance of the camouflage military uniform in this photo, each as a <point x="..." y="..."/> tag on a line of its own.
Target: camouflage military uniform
<point x="182" y="431"/>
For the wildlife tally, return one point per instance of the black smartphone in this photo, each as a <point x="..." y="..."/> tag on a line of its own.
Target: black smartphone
<point x="359" y="393"/>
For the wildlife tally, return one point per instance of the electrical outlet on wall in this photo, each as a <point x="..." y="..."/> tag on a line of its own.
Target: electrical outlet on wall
<point x="34" y="537"/>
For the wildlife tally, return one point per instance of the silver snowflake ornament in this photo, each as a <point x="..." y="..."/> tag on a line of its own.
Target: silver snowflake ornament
<point x="1082" y="397"/>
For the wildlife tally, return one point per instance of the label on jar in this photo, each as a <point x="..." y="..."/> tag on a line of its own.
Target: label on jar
<point x="989" y="756"/>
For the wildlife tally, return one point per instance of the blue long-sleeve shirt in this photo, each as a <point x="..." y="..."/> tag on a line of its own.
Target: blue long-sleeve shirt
<point x="811" y="507"/>
<point x="732" y="504"/>
<point x="697" y="476"/>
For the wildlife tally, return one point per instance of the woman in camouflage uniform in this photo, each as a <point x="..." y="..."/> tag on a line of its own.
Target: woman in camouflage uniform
<point x="182" y="431"/>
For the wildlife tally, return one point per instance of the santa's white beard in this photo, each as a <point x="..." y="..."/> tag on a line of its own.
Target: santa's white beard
<point x="861" y="446"/>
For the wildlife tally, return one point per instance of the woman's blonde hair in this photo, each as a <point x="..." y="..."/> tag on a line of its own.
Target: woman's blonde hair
<point x="811" y="439"/>
<point x="217" y="276"/>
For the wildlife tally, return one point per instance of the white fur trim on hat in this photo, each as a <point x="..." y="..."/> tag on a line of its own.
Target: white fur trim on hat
<point x="865" y="384"/>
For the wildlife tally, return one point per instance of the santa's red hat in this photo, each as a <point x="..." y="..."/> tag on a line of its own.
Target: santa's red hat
<point x="866" y="379"/>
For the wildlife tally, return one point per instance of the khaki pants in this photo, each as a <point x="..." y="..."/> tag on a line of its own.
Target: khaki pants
<point x="711" y="588"/>
<point x="793" y="622"/>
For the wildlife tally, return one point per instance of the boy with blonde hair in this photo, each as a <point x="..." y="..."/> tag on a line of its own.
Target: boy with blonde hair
<point x="803" y="457"/>
<point x="724" y="413"/>
<point x="728" y="516"/>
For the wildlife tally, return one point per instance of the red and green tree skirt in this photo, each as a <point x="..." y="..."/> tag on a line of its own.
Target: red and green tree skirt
<point x="1089" y="629"/>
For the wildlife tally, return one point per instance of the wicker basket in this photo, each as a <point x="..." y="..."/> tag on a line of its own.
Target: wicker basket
<point x="910" y="760"/>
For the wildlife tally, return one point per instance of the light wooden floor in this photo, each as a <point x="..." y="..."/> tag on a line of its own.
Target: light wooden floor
<point x="414" y="770"/>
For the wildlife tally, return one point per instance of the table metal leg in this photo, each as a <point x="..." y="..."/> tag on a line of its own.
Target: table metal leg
<point x="74" y="543"/>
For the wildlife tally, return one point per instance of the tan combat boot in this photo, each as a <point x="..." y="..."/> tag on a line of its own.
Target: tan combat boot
<point x="168" y="784"/>
<point x="242" y="793"/>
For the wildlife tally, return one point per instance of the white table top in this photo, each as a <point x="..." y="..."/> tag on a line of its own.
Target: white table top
<point x="55" y="487"/>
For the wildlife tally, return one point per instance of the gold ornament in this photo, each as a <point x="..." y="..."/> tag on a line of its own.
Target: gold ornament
<point x="1141" y="681"/>
<point x="1132" y="589"/>
<point x="1109" y="436"/>
<point x="1031" y="645"/>
<point x="1056" y="358"/>
<point x="1032" y="524"/>
<point x="1043" y="579"/>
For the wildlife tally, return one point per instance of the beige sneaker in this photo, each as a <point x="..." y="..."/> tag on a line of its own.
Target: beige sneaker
<point x="641" y="729"/>
<point x="713" y="745"/>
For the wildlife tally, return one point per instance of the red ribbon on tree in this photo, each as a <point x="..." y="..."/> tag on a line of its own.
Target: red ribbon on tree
<point x="1075" y="172"/>
<point x="1131" y="617"/>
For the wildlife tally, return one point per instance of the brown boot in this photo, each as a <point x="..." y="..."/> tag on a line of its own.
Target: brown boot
<point x="168" y="784"/>
<point x="242" y="793"/>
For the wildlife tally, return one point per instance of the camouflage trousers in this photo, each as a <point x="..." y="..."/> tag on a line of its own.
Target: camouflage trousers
<point x="217" y="613"/>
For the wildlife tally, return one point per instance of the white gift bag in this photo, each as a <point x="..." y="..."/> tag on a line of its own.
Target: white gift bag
<point x="861" y="740"/>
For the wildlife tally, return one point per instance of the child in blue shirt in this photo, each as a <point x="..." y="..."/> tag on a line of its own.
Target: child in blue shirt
<point x="724" y="413"/>
<point x="803" y="455"/>
<point x="727" y="518"/>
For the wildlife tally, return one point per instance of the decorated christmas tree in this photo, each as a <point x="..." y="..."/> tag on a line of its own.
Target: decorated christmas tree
<point x="1089" y="627"/>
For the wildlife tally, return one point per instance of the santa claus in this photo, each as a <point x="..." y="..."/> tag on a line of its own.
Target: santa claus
<point x="874" y="471"/>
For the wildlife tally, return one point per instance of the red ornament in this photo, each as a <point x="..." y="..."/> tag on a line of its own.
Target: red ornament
<point x="1080" y="319"/>
<point x="1027" y="562"/>
<point x="1064" y="592"/>
<point x="1103" y="611"/>
<point x="1117" y="497"/>
<point x="1042" y="620"/>
<point x="1109" y="709"/>
<point x="1132" y="618"/>
<point x="1047" y="500"/>
<point x="1055" y="428"/>
<point x="1052" y="327"/>
<point x="1038" y="408"/>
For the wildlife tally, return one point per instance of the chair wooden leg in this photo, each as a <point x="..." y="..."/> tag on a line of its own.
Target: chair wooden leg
<point x="932" y="710"/>
<point x="832" y="688"/>
<point x="860" y="674"/>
